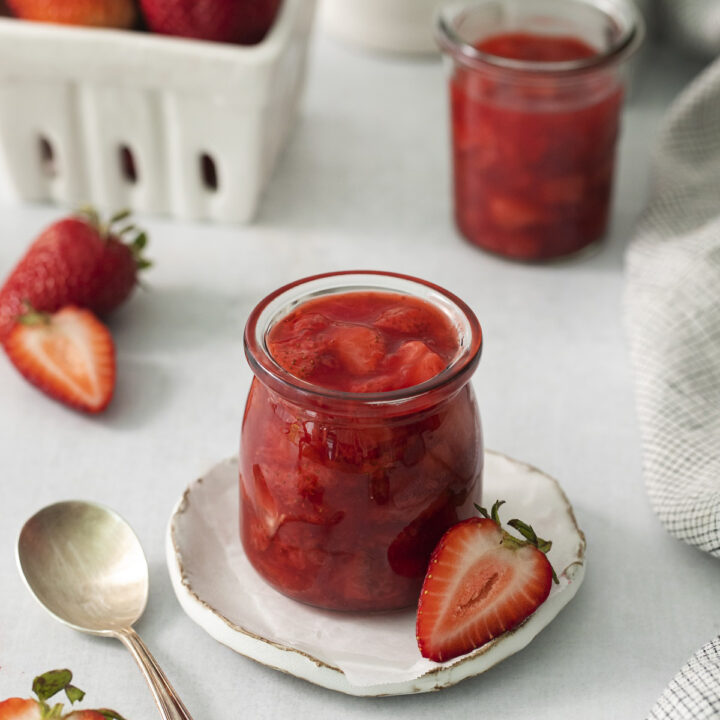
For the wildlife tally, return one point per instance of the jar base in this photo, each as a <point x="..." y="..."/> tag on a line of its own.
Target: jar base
<point x="590" y="249"/>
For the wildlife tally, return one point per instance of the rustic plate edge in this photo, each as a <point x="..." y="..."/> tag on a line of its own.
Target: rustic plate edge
<point x="295" y="662"/>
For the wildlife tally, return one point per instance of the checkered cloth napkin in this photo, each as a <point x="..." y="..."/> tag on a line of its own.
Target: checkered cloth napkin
<point x="694" y="24"/>
<point x="673" y="320"/>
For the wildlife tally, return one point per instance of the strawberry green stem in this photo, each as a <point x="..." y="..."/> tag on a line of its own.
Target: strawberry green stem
<point x="32" y="318"/>
<point x="529" y="536"/>
<point x="136" y="245"/>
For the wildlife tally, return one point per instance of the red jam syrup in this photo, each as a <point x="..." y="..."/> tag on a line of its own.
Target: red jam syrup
<point x="342" y="511"/>
<point x="534" y="153"/>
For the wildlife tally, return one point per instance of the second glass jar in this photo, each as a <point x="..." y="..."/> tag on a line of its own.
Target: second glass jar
<point x="536" y="90"/>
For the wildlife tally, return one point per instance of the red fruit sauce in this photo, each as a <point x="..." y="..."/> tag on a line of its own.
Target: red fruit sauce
<point x="534" y="153"/>
<point x="364" y="341"/>
<point x="341" y="509"/>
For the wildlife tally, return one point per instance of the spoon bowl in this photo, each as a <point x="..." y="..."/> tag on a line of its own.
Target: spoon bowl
<point x="84" y="563"/>
<point x="86" y="566"/>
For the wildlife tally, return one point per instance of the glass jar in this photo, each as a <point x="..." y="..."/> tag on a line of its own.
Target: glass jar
<point x="536" y="90"/>
<point x="344" y="495"/>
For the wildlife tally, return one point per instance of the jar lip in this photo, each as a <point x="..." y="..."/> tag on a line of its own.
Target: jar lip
<point x="626" y="44"/>
<point x="266" y="368"/>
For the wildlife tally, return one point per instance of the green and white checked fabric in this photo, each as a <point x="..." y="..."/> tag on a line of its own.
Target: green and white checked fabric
<point x="673" y="321"/>
<point x="693" y="692"/>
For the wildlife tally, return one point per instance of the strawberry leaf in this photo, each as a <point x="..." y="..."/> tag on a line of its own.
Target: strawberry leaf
<point x="140" y="242"/>
<point x="74" y="694"/>
<point x="531" y="536"/>
<point x="544" y="545"/>
<point x="118" y="216"/>
<point x="136" y="248"/>
<point x="494" y="514"/>
<point x="54" y="713"/>
<point x="525" y="530"/>
<point x="51" y="683"/>
<point x="482" y="511"/>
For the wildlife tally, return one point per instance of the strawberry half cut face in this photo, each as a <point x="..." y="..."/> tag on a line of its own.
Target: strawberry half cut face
<point x="480" y="583"/>
<point x="19" y="709"/>
<point x="69" y="355"/>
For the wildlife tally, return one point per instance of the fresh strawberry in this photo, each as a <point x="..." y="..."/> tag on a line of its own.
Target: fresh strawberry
<point x="95" y="13"/>
<point x="69" y="355"/>
<point x="76" y="261"/>
<point x="233" y="21"/>
<point x="19" y="709"/>
<point x="481" y="582"/>
<point x="46" y="686"/>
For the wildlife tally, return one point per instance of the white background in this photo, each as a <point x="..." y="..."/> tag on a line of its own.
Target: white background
<point x="364" y="184"/>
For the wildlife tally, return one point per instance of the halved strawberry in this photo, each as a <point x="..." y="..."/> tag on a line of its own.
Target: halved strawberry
<point x="19" y="709"/>
<point x="46" y="686"/>
<point x="481" y="582"/>
<point x="69" y="355"/>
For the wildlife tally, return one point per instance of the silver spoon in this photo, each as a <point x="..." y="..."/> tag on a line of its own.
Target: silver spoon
<point x="85" y="565"/>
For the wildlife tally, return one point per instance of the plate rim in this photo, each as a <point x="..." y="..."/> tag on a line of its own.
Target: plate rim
<point x="319" y="672"/>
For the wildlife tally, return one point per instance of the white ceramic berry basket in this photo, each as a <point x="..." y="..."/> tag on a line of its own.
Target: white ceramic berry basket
<point x="156" y="124"/>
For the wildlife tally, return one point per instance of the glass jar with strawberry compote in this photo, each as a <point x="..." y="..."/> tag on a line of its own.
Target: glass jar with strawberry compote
<point x="536" y="90"/>
<point x="361" y="441"/>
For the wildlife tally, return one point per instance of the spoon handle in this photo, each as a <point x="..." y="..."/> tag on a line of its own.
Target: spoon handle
<point x="167" y="700"/>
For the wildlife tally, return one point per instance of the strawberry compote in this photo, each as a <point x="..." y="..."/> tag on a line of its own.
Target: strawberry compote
<point x="535" y="118"/>
<point x="361" y="442"/>
<point x="364" y="341"/>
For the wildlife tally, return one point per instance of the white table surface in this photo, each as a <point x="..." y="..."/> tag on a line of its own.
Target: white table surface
<point x="364" y="183"/>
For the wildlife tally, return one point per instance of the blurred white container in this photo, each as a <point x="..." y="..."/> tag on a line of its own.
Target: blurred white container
<point x="155" y="124"/>
<point x="404" y="26"/>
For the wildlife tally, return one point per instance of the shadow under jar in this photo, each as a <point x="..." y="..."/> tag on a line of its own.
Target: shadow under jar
<point x="536" y="90"/>
<point x="345" y="493"/>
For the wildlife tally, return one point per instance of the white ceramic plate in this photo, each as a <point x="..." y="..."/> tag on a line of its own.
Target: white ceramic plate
<point x="359" y="654"/>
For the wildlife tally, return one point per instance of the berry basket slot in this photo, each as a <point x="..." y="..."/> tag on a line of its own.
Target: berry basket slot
<point x="157" y="124"/>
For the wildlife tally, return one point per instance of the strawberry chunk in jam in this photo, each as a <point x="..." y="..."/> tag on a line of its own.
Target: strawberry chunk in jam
<point x="364" y="342"/>
<point x="342" y="509"/>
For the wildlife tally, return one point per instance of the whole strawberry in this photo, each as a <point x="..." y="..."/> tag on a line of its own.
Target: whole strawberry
<point x="76" y="261"/>
<point x="94" y="13"/>
<point x="46" y="686"/>
<point x="245" y="22"/>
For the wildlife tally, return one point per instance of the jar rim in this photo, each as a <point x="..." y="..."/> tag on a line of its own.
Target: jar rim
<point x="267" y="369"/>
<point x="626" y="44"/>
